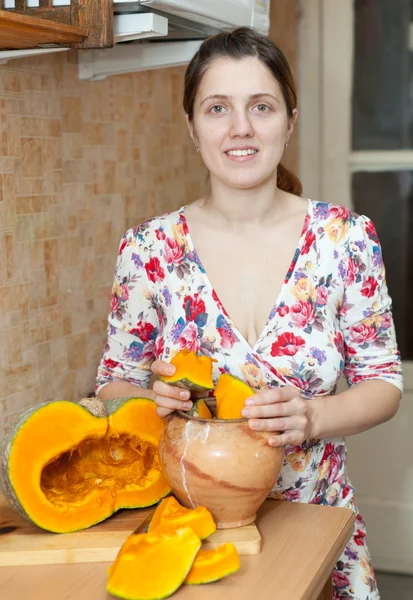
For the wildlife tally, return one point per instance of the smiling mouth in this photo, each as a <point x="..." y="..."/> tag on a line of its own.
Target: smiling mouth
<point x="246" y="152"/>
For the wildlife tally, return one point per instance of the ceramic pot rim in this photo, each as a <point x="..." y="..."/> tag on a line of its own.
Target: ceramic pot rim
<point x="184" y="414"/>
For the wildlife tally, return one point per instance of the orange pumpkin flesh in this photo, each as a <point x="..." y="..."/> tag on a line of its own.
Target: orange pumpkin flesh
<point x="151" y="566"/>
<point x="66" y="469"/>
<point x="193" y="372"/>
<point x="230" y="394"/>
<point x="211" y="565"/>
<point x="172" y="515"/>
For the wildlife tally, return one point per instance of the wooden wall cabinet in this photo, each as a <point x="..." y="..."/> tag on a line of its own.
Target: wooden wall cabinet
<point x="83" y="24"/>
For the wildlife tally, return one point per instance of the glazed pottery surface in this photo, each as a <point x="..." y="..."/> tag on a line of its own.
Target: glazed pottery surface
<point x="220" y="464"/>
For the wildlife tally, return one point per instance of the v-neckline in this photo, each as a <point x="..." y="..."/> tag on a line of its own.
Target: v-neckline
<point x="219" y="304"/>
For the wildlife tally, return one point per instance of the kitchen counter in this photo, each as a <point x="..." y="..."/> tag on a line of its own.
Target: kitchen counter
<point x="301" y="544"/>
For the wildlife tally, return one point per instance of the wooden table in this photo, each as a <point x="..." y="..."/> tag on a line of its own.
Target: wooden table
<point x="301" y="544"/>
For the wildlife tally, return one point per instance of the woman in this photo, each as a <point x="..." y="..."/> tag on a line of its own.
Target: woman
<point x="211" y="277"/>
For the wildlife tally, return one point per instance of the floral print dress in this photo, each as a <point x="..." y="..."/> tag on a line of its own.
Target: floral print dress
<point x="332" y="316"/>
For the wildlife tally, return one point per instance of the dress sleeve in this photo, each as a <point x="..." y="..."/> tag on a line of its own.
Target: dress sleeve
<point x="366" y="319"/>
<point x="133" y="323"/>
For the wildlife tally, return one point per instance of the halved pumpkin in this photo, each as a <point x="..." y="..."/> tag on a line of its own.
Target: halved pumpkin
<point x="193" y="372"/>
<point x="66" y="469"/>
<point x="230" y="395"/>
<point x="151" y="566"/>
<point x="170" y="514"/>
<point x="211" y="565"/>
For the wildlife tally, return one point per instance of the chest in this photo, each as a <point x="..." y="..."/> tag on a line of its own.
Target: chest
<point x="248" y="272"/>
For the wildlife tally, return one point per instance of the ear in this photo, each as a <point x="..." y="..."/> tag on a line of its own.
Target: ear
<point x="291" y="123"/>
<point x="191" y="130"/>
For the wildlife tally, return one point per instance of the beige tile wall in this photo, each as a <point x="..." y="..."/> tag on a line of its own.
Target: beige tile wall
<point x="80" y="162"/>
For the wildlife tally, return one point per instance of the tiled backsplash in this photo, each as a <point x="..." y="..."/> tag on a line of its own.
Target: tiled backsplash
<point x="80" y="162"/>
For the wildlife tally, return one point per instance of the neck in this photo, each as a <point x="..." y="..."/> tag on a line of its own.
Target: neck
<point x="253" y="205"/>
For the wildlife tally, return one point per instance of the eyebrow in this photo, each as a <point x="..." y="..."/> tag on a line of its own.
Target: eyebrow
<point x="251" y="97"/>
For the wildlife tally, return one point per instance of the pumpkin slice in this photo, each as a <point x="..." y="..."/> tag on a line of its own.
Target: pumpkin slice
<point x="211" y="565"/>
<point x="171" y="515"/>
<point x="151" y="566"/>
<point x="66" y="469"/>
<point x="200" y="409"/>
<point x="230" y="395"/>
<point x="193" y="372"/>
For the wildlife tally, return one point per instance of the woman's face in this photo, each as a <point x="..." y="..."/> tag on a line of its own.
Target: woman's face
<point x="240" y="122"/>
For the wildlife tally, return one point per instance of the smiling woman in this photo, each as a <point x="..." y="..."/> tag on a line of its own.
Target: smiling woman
<point x="270" y="112"/>
<point x="283" y="292"/>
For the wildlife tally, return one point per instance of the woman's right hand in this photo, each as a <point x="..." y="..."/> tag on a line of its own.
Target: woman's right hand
<point x="168" y="397"/>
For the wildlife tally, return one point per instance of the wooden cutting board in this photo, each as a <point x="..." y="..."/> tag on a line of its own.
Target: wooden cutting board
<point x="22" y="543"/>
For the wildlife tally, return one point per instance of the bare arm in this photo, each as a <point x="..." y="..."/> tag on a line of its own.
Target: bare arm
<point x="295" y="419"/>
<point x="359" y="408"/>
<point x="119" y="389"/>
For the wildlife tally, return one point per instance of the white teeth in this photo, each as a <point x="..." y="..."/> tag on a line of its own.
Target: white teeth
<point x="242" y="152"/>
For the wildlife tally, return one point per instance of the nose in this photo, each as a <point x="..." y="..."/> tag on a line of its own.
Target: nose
<point x="241" y="124"/>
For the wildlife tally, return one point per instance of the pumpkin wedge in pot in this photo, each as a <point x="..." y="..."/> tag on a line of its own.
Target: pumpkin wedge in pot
<point x="193" y="372"/>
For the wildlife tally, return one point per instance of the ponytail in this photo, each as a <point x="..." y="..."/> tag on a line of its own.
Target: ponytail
<point x="288" y="182"/>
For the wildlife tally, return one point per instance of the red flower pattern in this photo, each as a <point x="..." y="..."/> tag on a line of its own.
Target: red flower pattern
<point x="339" y="212"/>
<point x="143" y="330"/>
<point x="287" y="343"/>
<point x="371" y="231"/>
<point x="362" y="333"/>
<point x="193" y="305"/>
<point x="308" y="242"/>
<point x="322" y="295"/>
<point x="111" y="364"/>
<point x="154" y="270"/>
<point x="283" y="310"/>
<point x="359" y="537"/>
<point x="114" y="303"/>
<point x="369" y="287"/>
<point x="189" y="338"/>
<point x="122" y="246"/>
<point x="219" y="303"/>
<point x="352" y="270"/>
<point x="302" y="313"/>
<point x="340" y="580"/>
<point x="173" y="252"/>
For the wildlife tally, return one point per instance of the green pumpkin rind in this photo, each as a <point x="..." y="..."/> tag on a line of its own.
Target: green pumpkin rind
<point x="187" y="384"/>
<point x="6" y="485"/>
<point x="116" y="403"/>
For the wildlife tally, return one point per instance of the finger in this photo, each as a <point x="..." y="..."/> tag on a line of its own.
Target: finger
<point x="283" y="439"/>
<point x="171" y="391"/>
<point x="281" y="394"/>
<point x="171" y="403"/>
<point x="295" y="406"/>
<point x="163" y="412"/>
<point x="160" y="367"/>
<point x="288" y="438"/>
<point x="295" y="423"/>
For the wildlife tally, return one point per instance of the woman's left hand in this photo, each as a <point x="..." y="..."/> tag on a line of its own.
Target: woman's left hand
<point x="281" y="410"/>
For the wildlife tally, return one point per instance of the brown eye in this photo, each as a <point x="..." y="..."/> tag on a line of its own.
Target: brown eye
<point x="217" y="109"/>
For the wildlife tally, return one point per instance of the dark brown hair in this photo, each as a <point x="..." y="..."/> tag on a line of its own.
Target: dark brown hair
<point x="238" y="44"/>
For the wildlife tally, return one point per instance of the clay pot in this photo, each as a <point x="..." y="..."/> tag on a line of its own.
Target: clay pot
<point x="220" y="464"/>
